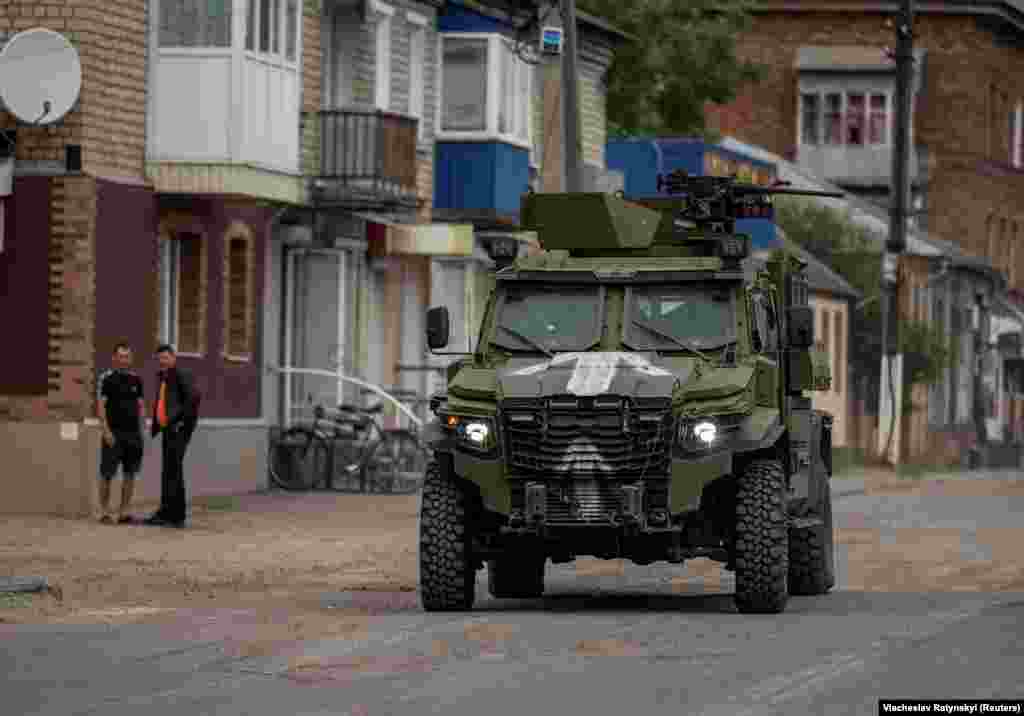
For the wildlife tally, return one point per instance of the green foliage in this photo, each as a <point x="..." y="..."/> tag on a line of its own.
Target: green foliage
<point x="683" y="57"/>
<point x="854" y="252"/>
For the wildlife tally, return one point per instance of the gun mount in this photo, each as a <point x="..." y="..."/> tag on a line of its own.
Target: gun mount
<point x="710" y="203"/>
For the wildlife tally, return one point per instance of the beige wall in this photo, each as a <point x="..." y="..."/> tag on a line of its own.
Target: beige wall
<point x="835" y="400"/>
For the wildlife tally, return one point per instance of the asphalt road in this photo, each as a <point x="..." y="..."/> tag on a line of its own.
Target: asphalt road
<point x="626" y="644"/>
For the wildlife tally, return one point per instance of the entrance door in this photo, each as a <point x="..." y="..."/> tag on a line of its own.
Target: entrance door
<point x="317" y="322"/>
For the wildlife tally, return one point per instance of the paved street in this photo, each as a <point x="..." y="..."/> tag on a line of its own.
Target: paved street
<point x="646" y="640"/>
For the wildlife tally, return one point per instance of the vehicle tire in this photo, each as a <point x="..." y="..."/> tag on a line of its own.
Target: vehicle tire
<point x="446" y="564"/>
<point x="811" y="553"/>
<point x="395" y="464"/>
<point x="762" y="539"/>
<point x="292" y="460"/>
<point x="516" y="577"/>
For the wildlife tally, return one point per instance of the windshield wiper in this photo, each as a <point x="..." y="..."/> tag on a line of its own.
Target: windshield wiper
<point x="526" y="339"/>
<point x="669" y="336"/>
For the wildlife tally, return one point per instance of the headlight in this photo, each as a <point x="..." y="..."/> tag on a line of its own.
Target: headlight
<point x="698" y="436"/>
<point x="705" y="432"/>
<point x="474" y="433"/>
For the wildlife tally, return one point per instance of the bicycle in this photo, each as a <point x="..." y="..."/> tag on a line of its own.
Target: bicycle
<point x="376" y="459"/>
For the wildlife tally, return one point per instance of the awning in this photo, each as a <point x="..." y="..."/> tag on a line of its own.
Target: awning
<point x="388" y="237"/>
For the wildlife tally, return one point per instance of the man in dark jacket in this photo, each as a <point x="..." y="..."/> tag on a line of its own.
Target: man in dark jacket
<point x="175" y="414"/>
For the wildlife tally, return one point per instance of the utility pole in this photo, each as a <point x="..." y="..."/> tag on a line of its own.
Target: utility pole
<point x="570" y="103"/>
<point x="897" y="241"/>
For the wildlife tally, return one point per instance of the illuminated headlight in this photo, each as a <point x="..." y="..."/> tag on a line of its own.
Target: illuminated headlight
<point x="705" y="432"/>
<point x="475" y="433"/>
<point x="699" y="435"/>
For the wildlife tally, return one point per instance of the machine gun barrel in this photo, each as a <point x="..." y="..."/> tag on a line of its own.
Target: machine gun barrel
<point x="754" y="189"/>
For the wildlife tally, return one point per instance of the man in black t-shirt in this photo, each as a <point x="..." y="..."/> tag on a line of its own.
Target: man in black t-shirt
<point x="122" y="412"/>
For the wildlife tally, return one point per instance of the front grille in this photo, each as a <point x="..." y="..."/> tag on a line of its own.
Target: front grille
<point x="606" y="435"/>
<point x="574" y="502"/>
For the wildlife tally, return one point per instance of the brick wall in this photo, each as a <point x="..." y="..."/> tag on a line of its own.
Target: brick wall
<point x="970" y="176"/>
<point x="311" y="88"/>
<point x="109" y="120"/>
<point x="71" y="308"/>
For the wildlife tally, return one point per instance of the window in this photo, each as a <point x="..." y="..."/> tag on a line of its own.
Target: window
<point x="765" y="326"/>
<point x="272" y="28"/>
<point x="417" y="61"/>
<point x="238" y="292"/>
<point x="1018" y="135"/>
<point x="183" y="294"/>
<point x="851" y="119"/>
<point x="382" y="79"/>
<point x="486" y="89"/>
<point x="879" y="120"/>
<point x="855" y="119"/>
<point x="810" y="111"/>
<point x="195" y="23"/>
<point x="825" y="328"/>
<point x="833" y="119"/>
<point x="837" y="374"/>
<point x="464" y="83"/>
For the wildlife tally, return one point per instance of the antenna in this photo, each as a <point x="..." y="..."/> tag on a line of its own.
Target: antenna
<point x="40" y="76"/>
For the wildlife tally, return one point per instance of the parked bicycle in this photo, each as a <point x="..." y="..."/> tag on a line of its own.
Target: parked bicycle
<point x="346" y="449"/>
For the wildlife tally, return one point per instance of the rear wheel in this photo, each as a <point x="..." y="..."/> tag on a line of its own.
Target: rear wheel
<point x="447" y="567"/>
<point x="516" y="577"/>
<point x="294" y="459"/>
<point x="762" y="539"/>
<point x="811" y="553"/>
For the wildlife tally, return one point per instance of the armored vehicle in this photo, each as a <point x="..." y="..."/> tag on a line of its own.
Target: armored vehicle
<point x="638" y="391"/>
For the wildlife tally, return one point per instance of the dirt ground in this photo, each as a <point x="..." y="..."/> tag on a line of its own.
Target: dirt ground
<point x="273" y="557"/>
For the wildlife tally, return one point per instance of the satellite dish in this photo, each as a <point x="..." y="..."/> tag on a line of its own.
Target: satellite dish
<point x="40" y="76"/>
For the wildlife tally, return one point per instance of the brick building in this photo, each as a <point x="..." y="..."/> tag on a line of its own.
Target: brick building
<point x="826" y="102"/>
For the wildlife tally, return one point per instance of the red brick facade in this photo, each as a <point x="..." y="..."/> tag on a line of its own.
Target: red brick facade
<point x="971" y="82"/>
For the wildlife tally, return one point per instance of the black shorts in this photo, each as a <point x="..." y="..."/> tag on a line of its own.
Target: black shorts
<point x="126" y="453"/>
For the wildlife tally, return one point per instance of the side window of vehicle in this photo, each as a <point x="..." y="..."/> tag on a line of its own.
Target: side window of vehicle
<point x="766" y="326"/>
<point x="772" y="323"/>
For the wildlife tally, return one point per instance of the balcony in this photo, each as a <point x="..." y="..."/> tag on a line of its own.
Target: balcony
<point x="367" y="159"/>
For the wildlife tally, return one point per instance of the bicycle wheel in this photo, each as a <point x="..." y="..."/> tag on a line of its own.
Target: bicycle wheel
<point x="292" y="463"/>
<point x="395" y="464"/>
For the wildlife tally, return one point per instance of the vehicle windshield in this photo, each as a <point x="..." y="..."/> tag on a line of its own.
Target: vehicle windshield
<point x="538" y="318"/>
<point x="695" y="316"/>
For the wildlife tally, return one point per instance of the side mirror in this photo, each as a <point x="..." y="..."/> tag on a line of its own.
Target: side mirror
<point x="800" y="325"/>
<point x="438" y="328"/>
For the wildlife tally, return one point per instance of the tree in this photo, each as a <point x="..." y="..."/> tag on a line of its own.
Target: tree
<point x="854" y="252"/>
<point x="683" y="57"/>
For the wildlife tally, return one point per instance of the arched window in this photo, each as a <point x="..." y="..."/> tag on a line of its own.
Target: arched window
<point x="239" y="312"/>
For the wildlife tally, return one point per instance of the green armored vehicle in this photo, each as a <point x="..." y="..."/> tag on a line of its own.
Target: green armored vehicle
<point x="637" y="392"/>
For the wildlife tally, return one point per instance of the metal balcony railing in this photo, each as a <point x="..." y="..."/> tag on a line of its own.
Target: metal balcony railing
<point x="366" y="157"/>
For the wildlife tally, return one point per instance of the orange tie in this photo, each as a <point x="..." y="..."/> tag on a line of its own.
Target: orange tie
<point x="161" y="406"/>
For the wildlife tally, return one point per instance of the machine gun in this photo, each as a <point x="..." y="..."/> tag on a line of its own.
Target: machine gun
<point x="711" y="203"/>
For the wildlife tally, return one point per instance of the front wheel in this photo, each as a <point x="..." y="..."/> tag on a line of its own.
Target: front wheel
<point x="295" y="460"/>
<point x="447" y="567"/>
<point x="762" y="539"/>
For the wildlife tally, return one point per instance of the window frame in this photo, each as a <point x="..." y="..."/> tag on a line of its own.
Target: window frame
<point x="822" y="115"/>
<point x="498" y="48"/>
<point x="239" y="231"/>
<point x="254" y="26"/>
<point x="170" y="291"/>
<point x="1017" y="149"/>
<point x="196" y="48"/>
<point x="417" y="71"/>
<point x="383" y="28"/>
